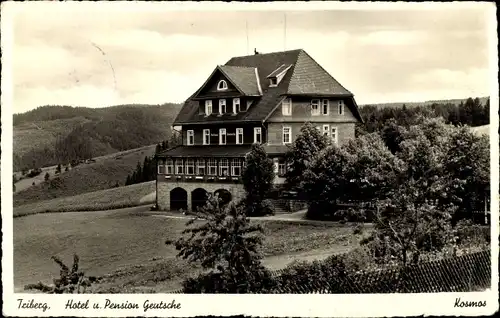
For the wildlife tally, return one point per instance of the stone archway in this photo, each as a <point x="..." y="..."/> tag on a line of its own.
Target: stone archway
<point x="224" y="195"/>
<point x="199" y="198"/>
<point x="178" y="199"/>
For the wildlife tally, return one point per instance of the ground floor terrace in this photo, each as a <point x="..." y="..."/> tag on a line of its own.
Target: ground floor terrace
<point x="187" y="175"/>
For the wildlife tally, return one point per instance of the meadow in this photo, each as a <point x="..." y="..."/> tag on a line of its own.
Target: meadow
<point x="127" y="247"/>
<point x="108" y="199"/>
<point x="105" y="173"/>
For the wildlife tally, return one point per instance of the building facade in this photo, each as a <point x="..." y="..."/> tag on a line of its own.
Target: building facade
<point x="261" y="98"/>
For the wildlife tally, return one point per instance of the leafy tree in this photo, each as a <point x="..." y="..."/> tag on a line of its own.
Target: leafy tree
<point x="416" y="214"/>
<point x="224" y="242"/>
<point x="47" y="176"/>
<point x="257" y="176"/>
<point x="322" y="198"/>
<point x="303" y="150"/>
<point x="468" y="159"/>
<point x="362" y="169"/>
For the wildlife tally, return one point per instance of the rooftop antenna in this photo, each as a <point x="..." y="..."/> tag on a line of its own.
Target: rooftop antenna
<point x="246" y="24"/>
<point x="284" y="37"/>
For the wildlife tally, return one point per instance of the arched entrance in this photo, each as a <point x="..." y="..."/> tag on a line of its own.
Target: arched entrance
<point x="224" y="195"/>
<point x="199" y="197"/>
<point x="178" y="199"/>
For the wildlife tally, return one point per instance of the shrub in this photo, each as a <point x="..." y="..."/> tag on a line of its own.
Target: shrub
<point x="47" y="176"/>
<point x="70" y="281"/>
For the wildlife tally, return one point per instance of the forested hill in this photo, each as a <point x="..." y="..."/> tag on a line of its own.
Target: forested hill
<point x="49" y="135"/>
<point x="456" y="102"/>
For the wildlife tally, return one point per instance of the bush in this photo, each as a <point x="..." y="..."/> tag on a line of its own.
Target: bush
<point x="47" y="176"/>
<point x="70" y="281"/>
<point x="34" y="172"/>
<point x="257" y="281"/>
<point x="468" y="233"/>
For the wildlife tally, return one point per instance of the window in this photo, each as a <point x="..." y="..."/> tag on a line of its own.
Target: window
<point x="325" y="106"/>
<point x="281" y="168"/>
<point x="170" y="166"/>
<point x="224" y="168"/>
<point x="190" y="137"/>
<point x="341" y="107"/>
<point x="315" y="107"/>
<point x="200" y="167"/>
<point x="326" y="130"/>
<point x="208" y="107"/>
<point x="222" y="85"/>
<point x="239" y="136"/>
<point x="179" y="167"/>
<point x="257" y="135"/>
<point x="206" y="136"/>
<point x="334" y="135"/>
<point x="222" y="136"/>
<point x="236" y="167"/>
<point x="190" y="166"/>
<point x="161" y="167"/>
<point x="275" y="165"/>
<point x="273" y="81"/>
<point x="222" y="106"/>
<point x="287" y="107"/>
<point x="287" y="135"/>
<point x="236" y="105"/>
<point x="212" y="167"/>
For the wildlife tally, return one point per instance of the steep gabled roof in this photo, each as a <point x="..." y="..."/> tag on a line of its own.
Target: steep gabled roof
<point x="304" y="77"/>
<point x="311" y="78"/>
<point x="243" y="78"/>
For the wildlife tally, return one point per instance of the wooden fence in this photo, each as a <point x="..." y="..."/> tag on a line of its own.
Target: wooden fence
<point x="465" y="273"/>
<point x="469" y="272"/>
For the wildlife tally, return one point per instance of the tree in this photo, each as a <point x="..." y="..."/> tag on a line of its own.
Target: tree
<point x="258" y="176"/>
<point x="300" y="155"/>
<point x="224" y="242"/>
<point x="468" y="159"/>
<point x="416" y="214"/>
<point x="58" y="168"/>
<point x="362" y="169"/>
<point x="47" y="176"/>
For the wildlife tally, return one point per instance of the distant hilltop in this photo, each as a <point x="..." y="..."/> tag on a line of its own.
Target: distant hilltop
<point x="426" y="103"/>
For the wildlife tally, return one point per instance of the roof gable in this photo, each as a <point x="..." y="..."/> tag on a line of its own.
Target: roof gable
<point x="310" y="78"/>
<point x="216" y="72"/>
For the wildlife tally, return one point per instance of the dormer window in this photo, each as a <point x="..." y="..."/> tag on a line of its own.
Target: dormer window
<point x="222" y="106"/>
<point x="277" y="75"/>
<point x="208" y="107"/>
<point x="222" y="85"/>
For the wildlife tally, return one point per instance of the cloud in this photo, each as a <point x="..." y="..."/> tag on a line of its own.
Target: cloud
<point x="165" y="56"/>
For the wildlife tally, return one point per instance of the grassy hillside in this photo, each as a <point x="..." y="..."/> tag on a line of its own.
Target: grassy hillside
<point x="103" y="174"/>
<point x="108" y="199"/>
<point x="53" y="134"/>
<point x="424" y="103"/>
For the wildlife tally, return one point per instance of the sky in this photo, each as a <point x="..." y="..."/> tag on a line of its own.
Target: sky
<point x="98" y="56"/>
